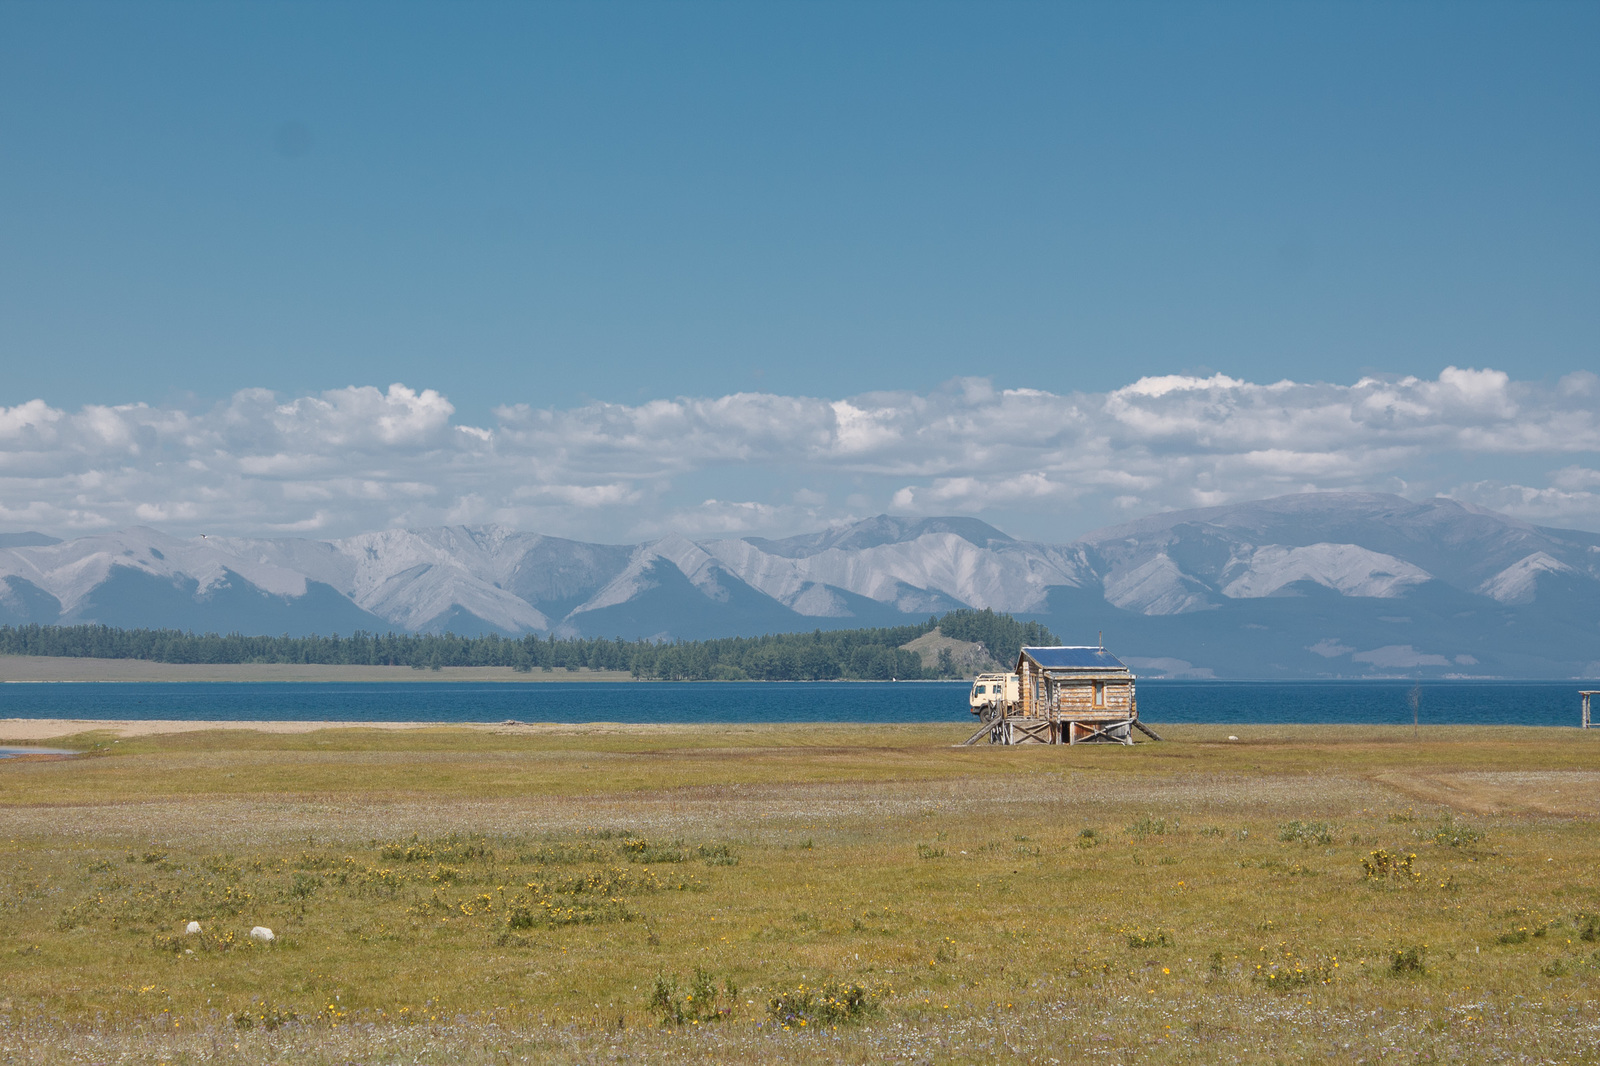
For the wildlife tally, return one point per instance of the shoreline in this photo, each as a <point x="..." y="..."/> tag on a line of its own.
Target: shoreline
<point x="39" y="729"/>
<point x="1232" y="734"/>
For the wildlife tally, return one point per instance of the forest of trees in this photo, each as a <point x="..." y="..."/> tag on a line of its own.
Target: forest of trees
<point x="850" y="654"/>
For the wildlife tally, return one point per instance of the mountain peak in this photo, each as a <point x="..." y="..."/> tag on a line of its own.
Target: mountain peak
<point x="27" y="540"/>
<point x="1307" y="585"/>
<point x="877" y="531"/>
<point x="1276" y="510"/>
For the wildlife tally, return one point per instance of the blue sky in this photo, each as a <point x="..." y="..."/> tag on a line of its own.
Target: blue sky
<point x="562" y="205"/>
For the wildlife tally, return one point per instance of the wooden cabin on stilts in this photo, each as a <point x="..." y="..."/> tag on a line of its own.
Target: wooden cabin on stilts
<point x="1062" y="695"/>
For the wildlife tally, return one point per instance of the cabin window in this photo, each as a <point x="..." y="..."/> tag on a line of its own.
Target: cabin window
<point x="980" y="690"/>
<point x="1099" y="693"/>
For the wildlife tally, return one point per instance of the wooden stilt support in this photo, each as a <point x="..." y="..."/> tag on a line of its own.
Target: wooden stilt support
<point x="985" y="728"/>
<point x="1146" y="730"/>
<point x="1586" y="696"/>
<point x="1029" y="731"/>
<point x="1099" y="732"/>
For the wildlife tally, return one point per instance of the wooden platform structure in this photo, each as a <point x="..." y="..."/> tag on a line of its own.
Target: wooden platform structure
<point x="1586" y="695"/>
<point x="1063" y="695"/>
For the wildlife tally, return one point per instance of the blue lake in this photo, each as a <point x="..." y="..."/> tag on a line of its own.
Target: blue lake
<point x="1363" y="702"/>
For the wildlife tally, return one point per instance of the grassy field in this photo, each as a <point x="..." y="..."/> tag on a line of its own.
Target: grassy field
<point x="801" y="894"/>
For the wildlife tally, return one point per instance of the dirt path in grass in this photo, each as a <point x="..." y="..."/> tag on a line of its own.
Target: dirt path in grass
<point x="1566" y="793"/>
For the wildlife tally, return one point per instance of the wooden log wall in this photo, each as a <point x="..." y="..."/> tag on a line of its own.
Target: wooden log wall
<point x="1072" y="697"/>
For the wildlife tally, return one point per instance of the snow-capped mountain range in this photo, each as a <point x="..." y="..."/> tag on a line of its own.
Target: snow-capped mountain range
<point x="1336" y="584"/>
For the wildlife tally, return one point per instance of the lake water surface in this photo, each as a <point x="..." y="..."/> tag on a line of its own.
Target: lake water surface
<point x="1245" y="702"/>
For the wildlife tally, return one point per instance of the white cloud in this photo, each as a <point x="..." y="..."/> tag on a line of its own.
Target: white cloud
<point x="34" y="417"/>
<point x="1399" y="657"/>
<point x="1160" y="386"/>
<point x="1553" y="505"/>
<point x="1575" y="478"/>
<point x="363" y="458"/>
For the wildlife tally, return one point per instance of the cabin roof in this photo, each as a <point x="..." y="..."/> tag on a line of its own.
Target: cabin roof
<point x="1074" y="658"/>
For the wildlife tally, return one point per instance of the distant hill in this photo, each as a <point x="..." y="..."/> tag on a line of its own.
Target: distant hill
<point x="1314" y="585"/>
<point x="872" y="654"/>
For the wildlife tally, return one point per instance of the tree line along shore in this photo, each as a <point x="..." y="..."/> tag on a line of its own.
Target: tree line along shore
<point x="821" y="655"/>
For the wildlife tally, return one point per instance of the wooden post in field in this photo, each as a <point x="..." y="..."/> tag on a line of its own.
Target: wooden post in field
<point x="1586" y="696"/>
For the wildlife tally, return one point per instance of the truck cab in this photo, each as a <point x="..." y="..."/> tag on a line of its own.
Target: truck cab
<point x="994" y="695"/>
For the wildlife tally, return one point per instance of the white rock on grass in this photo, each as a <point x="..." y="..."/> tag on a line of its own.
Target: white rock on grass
<point x="191" y="929"/>
<point x="263" y="934"/>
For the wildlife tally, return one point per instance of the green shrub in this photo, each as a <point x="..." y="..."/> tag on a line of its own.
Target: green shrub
<point x="833" y="1003"/>
<point x="1153" y="938"/>
<point x="1306" y="833"/>
<point x="1384" y="865"/>
<point x="1407" y="962"/>
<point x="1588" y="927"/>
<point x="562" y="855"/>
<point x="1522" y="934"/>
<point x="1288" y="970"/>
<point x="717" y="855"/>
<point x="1453" y="835"/>
<point x="638" y="849"/>
<point x="696" y="1005"/>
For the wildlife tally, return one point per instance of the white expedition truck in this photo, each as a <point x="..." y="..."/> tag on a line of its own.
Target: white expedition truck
<point x="995" y="695"/>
